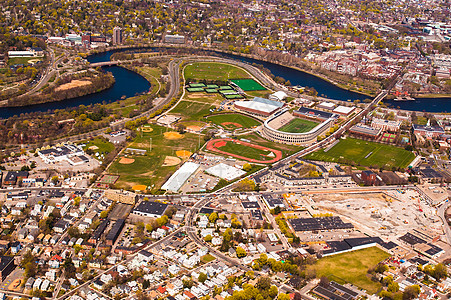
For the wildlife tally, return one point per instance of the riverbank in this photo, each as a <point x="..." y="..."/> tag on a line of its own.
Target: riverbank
<point x="70" y="87"/>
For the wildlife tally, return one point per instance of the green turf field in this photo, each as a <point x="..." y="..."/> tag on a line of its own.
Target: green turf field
<point x="192" y="110"/>
<point x="148" y="169"/>
<point x="213" y="71"/>
<point x="352" y="267"/>
<point x="248" y="84"/>
<point x="365" y="153"/>
<point x="244" y="121"/>
<point x="298" y="126"/>
<point x="245" y="151"/>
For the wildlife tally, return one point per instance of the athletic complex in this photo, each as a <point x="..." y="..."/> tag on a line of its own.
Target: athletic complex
<point x="302" y="127"/>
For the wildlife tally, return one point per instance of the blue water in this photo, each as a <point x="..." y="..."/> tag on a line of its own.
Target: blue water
<point x="423" y="104"/>
<point x="127" y="84"/>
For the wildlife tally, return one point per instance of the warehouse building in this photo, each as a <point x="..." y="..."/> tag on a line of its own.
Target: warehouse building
<point x="150" y="209"/>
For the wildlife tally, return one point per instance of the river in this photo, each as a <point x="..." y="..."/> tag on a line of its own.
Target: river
<point x="129" y="84"/>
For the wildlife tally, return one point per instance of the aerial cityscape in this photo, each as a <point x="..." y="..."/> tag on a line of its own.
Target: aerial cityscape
<point x="227" y="150"/>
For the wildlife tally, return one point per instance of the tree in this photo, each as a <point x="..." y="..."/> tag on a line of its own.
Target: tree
<point x="208" y="238"/>
<point x="188" y="283"/>
<point x="104" y="214"/>
<point x="240" y="252"/>
<point x="440" y="271"/>
<point x="213" y="217"/>
<point x="69" y="268"/>
<point x="55" y="179"/>
<point x="411" y="292"/>
<point x="393" y="287"/>
<point x="77" y="201"/>
<point x="202" y="277"/>
<point x="247" y="167"/>
<point x="263" y="283"/>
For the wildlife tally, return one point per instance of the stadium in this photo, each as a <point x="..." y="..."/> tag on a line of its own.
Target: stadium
<point x="300" y="128"/>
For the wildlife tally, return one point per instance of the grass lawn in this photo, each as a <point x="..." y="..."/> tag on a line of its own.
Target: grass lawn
<point x="192" y="110"/>
<point x="244" y="121"/>
<point x="261" y="94"/>
<point x="207" y="258"/>
<point x="352" y="267"/>
<point x="22" y="60"/>
<point x="298" y="126"/>
<point x="103" y="145"/>
<point x="148" y="169"/>
<point x="365" y="153"/>
<point x="245" y="151"/>
<point x="204" y="97"/>
<point x="152" y="75"/>
<point x="213" y="71"/>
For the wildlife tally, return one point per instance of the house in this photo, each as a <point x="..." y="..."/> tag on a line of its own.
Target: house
<point x="55" y="262"/>
<point x="61" y="226"/>
<point x="29" y="283"/>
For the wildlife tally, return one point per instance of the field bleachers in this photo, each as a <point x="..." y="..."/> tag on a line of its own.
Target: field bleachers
<point x="282" y="120"/>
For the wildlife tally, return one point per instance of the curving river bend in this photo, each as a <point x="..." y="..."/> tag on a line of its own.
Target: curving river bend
<point x="129" y="84"/>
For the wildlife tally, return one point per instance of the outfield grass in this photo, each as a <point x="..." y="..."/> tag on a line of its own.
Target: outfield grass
<point x="244" y="121"/>
<point x="213" y="71"/>
<point x="246" y="151"/>
<point x="298" y="126"/>
<point x="148" y="169"/>
<point x="192" y="110"/>
<point x="286" y="149"/>
<point x="365" y="153"/>
<point x="352" y="267"/>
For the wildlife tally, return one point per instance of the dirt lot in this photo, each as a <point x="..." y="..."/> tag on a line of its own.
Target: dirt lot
<point x="385" y="215"/>
<point x="73" y="84"/>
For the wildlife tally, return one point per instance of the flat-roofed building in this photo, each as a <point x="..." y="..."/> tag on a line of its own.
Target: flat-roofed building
<point x="259" y="106"/>
<point x="365" y="131"/>
<point x="386" y="125"/>
<point x="125" y="197"/>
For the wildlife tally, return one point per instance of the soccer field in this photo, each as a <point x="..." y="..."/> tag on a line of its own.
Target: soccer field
<point x="365" y="153"/>
<point x="213" y="71"/>
<point x="298" y="126"/>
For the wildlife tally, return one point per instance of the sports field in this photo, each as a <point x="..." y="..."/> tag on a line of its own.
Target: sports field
<point x="108" y="179"/>
<point x="298" y="126"/>
<point x="233" y="121"/>
<point x="213" y="71"/>
<point x="244" y="150"/>
<point x="248" y="84"/>
<point x="192" y="110"/>
<point x="352" y="267"/>
<point x="365" y="153"/>
<point x="150" y="169"/>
